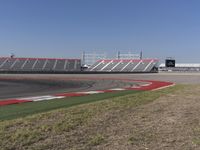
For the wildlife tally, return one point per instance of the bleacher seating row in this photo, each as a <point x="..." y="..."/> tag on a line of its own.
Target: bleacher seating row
<point x="39" y="64"/>
<point x="123" y="65"/>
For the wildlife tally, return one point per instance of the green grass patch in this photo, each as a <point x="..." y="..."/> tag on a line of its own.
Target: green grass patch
<point x="21" y="110"/>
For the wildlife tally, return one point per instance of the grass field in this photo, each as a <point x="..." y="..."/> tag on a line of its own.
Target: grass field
<point x="84" y="126"/>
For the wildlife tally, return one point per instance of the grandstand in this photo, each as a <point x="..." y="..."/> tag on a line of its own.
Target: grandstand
<point x="55" y="65"/>
<point x="12" y="64"/>
<point x="124" y="65"/>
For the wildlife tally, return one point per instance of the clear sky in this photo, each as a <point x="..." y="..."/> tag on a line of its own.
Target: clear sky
<point x="65" y="28"/>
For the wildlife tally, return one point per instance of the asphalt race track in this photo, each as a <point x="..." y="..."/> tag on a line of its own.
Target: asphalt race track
<point x="21" y="85"/>
<point x="16" y="86"/>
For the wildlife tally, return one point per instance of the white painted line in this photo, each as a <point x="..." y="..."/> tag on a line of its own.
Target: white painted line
<point x="91" y="92"/>
<point x="117" y="89"/>
<point x="49" y="98"/>
<point x="146" y="84"/>
<point x="41" y="98"/>
<point x="35" y="97"/>
<point x="136" y="87"/>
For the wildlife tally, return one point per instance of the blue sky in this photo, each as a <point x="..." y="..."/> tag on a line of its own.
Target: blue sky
<point x="65" y="28"/>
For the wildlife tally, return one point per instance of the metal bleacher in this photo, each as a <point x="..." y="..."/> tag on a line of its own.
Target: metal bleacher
<point x="15" y="64"/>
<point x="60" y="64"/>
<point x="28" y="65"/>
<point x="124" y="65"/>
<point x="49" y="65"/>
<point x="39" y="64"/>
<point x="18" y="64"/>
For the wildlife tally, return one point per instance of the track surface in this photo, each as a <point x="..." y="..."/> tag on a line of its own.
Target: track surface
<point x="18" y="86"/>
<point x="12" y="86"/>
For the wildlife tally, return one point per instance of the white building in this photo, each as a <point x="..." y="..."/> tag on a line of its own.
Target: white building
<point x="181" y="67"/>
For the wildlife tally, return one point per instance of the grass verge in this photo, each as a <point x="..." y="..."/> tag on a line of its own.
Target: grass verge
<point x="56" y="129"/>
<point x="21" y="110"/>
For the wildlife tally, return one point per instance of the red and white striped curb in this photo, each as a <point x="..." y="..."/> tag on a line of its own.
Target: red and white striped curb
<point x="149" y="85"/>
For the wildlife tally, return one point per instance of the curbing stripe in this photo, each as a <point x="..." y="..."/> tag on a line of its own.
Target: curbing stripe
<point x="71" y="94"/>
<point x="160" y="88"/>
<point x="13" y="101"/>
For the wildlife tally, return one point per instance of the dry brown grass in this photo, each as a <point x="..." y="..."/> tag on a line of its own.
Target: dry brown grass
<point x="166" y="119"/>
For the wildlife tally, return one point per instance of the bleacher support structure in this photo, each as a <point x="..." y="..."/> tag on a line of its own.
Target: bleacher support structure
<point x="8" y="64"/>
<point x="125" y="65"/>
